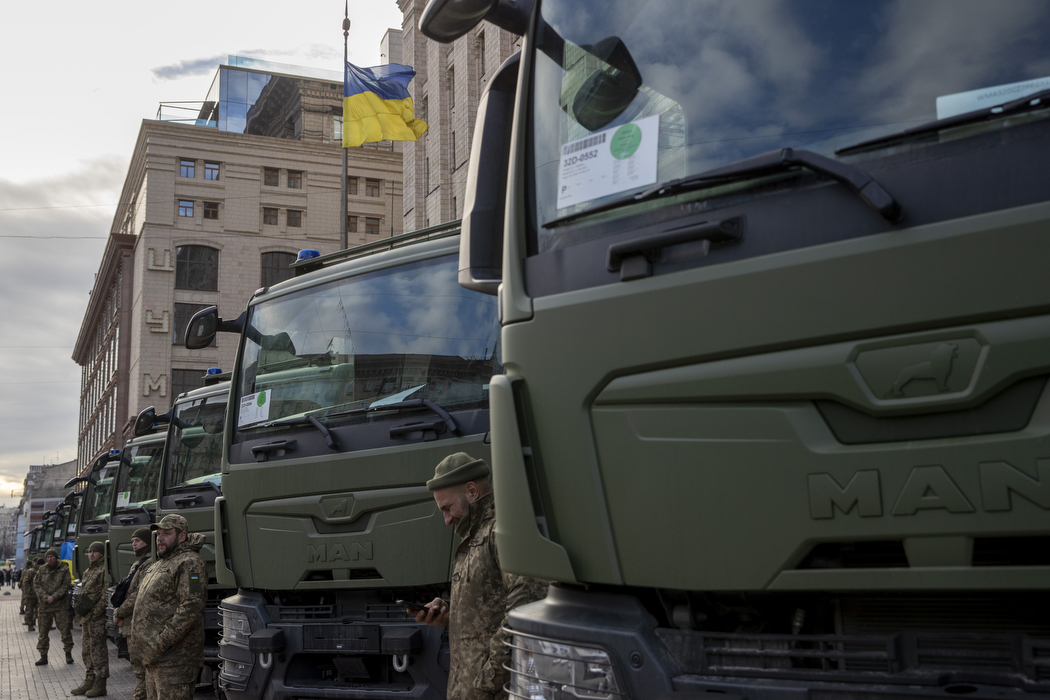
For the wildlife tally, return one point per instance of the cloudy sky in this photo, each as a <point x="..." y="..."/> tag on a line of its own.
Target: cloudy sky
<point x="77" y="80"/>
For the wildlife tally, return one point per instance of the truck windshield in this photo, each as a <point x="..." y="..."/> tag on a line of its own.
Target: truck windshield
<point x="195" y="445"/>
<point x="627" y="94"/>
<point x="98" y="499"/>
<point x="404" y="333"/>
<point x="139" y="477"/>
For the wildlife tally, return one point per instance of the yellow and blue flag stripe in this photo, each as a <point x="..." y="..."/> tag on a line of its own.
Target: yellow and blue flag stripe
<point x="377" y="106"/>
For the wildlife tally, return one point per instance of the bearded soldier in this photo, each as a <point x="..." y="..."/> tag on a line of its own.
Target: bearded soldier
<point x="167" y="626"/>
<point x="52" y="591"/>
<point x="93" y="640"/>
<point x="482" y="594"/>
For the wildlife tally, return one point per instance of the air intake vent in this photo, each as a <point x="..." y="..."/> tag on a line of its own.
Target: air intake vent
<point x="856" y="555"/>
<point x="1011" y="551"/>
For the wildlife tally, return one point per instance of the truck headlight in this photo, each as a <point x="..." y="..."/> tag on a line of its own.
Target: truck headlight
<point x="544" y="669"/>
<point x="235" y="627"/>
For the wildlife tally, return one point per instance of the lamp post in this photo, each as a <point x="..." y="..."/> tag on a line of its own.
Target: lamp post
<point x="342" y="223"/>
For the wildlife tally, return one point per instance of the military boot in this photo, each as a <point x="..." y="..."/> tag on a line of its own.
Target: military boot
<point x="97" y="690"/>
<point x="69" y="657"/>
<point x="88" y="684"/>
<point x="42" y="661"/>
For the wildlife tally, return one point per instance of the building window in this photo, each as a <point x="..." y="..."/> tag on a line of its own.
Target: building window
<point x="183" y="380"/>
<point x="372" y="188"/>
<point x="186" y="208"/>
<point x="211" y="171"/>
<point x="197" y="267"/>
<point x="271" y="177"/>
<point x="453" y="150"/>
<point x="211" y="210"/>
<point x="426" y="177"/>
<point x="453" y="207"/>
<point x="295" y="179"/>
<point x="481" y="51"/>
<point x="351" y="224"/>
<point x="276" y="268"/>
<point x="295" y="218"/>
<point x="351" y="183"/>
<point x="371" y="225"/>
<point x="269" y="216"/>
<point x="183" y="314"/>
<point x="186" y="167"/>
<point x="451" y="88"/>
<point x="337" y="129"/>
<point x="424" y="108"/>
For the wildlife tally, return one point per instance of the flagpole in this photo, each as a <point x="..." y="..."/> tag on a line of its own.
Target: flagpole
<point x="343" y="219"/>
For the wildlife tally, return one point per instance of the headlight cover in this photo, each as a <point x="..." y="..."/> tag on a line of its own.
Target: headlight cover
<point x="544" y="669"/>
<point x="235" y="627"/>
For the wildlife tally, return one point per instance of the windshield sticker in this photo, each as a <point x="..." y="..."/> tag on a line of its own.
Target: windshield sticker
<point x="123" y="499"/>
<point x="608" y="162"/>
<point x="72" y="527"/>
<point x="255" y="408"/>
<point x="963" y="102"/>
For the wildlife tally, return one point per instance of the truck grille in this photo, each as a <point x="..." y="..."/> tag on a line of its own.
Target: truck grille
<point x="912" y="658"/>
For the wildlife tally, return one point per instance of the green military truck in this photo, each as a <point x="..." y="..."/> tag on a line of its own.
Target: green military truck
<point x="353" y="380"/>
<point x="114" y="504"/>
<point x="776" y="330"/>
<point x="187" y="482"/>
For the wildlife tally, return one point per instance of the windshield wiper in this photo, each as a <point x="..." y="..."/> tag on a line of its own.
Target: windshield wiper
<point x="446" y="422"/>
<point x="303" y="420"/>
<point x="1033" y="101"/>
<point x="781" y="160"/>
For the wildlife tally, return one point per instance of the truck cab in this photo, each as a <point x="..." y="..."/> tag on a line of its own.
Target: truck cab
<point x="353" y="381"/>
<point x="774" y="315"/>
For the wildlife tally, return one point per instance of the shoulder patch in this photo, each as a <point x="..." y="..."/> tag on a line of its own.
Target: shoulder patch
<point x="195" y="582"/>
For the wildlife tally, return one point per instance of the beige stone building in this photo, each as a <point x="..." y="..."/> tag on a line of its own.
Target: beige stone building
<point x="219" y="197"/>
<point x="449" y="82"/>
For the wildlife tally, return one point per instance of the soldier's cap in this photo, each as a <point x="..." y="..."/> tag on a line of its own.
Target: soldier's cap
<point x="171" y="522"/>
<point x="458" y="469"/>
<point x="39" y="561"/>
<point x="97" y="547"/>
<point x="143" y="533"/>
<point x="51" y="552"/>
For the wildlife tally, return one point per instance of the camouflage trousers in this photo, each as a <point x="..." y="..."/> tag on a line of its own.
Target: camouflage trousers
<point x="140" y="675"/>
<point x="30" y="606"/>
<point x="65" y="627"/>
<point x="170" y="682"/>
<point x="94" y="650"/>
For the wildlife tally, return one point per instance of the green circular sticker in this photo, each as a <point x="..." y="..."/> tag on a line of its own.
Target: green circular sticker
<point x="260" y="400"/>
<point x="625" y="141"/>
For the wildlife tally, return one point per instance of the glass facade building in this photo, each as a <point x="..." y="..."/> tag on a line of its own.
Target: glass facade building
<point x="251" y="96"/>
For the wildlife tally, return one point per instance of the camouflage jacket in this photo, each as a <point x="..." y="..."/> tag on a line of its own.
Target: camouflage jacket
<point x="94" y="584"/>
<point x="482" y="595"/>
<point x="53" y="581"/>
<point x="27" y="584"/>
<point x="127" y="608"/>
<point x="168" y="621"/>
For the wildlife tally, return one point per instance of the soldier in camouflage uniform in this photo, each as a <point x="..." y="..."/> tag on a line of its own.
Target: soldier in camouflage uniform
<point x="52" y="591"/>
<point x="93" y="640"/>
<point x="122" y="616"/>
<point x="482" y="594"/>
<point x="29" y="594"/>
<point x="167" y="627"/>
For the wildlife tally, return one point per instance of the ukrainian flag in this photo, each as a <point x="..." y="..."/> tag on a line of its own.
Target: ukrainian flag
<point x="377" y="106"/>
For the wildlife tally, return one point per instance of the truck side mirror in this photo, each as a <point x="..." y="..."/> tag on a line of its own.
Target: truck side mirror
<point x="481" y="239"/>
<point x="148" y="418"/>
<point x="204" y="324"/>
<point x="201" y="329"/>
<point x="447" y="20"/>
